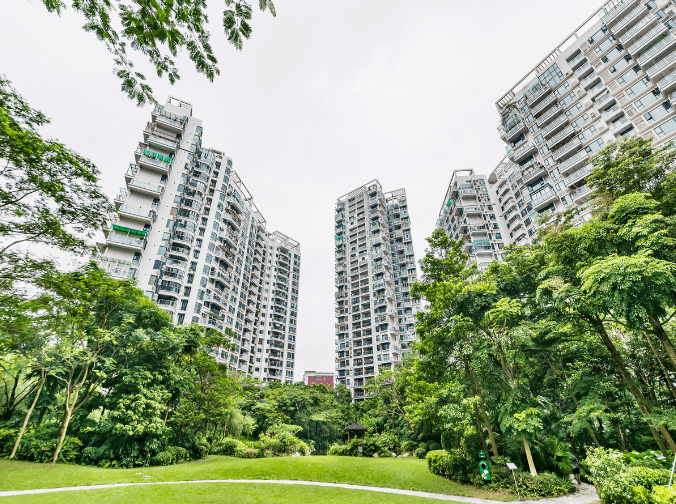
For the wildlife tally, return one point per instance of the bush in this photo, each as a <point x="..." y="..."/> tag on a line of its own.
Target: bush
<point x="178" y="453"/>
<point x="252" y="453"/>
<point x="433" y="446"/>
<point x="39" y="443"/>
<point x="544" y="485"/>
<point x="408" y="447"/>
<point x="452" y="465"/>
<point x="228" y="446"/>
<point x="663" y="495"/>
<point x="163" y="458"/>
<point x="620" y="483"/>
<point x="421" y="451"/>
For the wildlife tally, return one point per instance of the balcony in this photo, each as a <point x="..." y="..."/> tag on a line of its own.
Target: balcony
<point x="561" y="137"/>
<point x="121" y="197"/>
<point x="632" y="15"/>
<point x="590" y="80"/>
<point x="619" y="125"/>
<point x="513" y="132"/>
<point x="536" y="171"/>
<point x="138" y="214"/>
<point x="146" y="188"/>
<point x="549" y="115"/>
<point x="581" y="193"/>
<point x="661" y="64"/>
<point x="658" y="50"/>
<point x="573" y="162"/>
<point x="543" y="197"/>
<point x="615" y="14"/>
<point x="125" y="242"/>
<point x="575" y="176"/>
<point x="538" y="95"/>
<point x="167" y="120"/>
<point x="543" y="104"/>
<point x="554" y="126"/>
<point x="562" y="151"/>
<point x="647" y="39"/>
<point x="162" y="143"/>
<point x="117" y="268"/>
<point x="154" y="161"/>
<point x="667" y="83"/>
<point x="604" y="101"/>
<point x="633" y="34"/>
<point x="168" y="304"/>
<point x="612" y="112"/>
<point x="522" y="152"/>
<point x="177" y="263"/>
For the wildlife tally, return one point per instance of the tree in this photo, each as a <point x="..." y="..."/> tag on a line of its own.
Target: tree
<point x="148" y="25"/>
<point x="49" y="194"/>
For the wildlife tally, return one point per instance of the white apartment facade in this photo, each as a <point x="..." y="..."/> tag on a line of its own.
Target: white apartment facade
<point x="375" y="267"/>
<point x="187" y="229"/>
<point x="615" y="75"/>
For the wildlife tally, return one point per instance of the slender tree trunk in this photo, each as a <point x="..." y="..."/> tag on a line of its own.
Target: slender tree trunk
<point x="487" y="422"/>
<point x="529" y="456"/>
<point x="619" y="434"/>
<point x="480" y="430"/>
<point x="643" y="405"/>
<point x="62" y="433"/>
<point x="670" y="385"/>
<point x="664" y="338"/>
<point x="28" y="415"/>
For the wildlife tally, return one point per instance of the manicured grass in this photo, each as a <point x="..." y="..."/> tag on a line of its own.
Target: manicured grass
<point x="214" y="493"/>
<point x="406" y="473"/>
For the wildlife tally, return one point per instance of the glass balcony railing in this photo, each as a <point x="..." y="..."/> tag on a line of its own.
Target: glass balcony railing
<point x="656" y="49"/>
<point x="117" y="238"/>
<point x="647" y="38"/>
<point x="628" y="18"/>
<point x="140" y="212"/>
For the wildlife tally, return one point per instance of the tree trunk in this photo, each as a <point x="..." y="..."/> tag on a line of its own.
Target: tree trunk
<point x="62" y="433"/>
<point x="670" y="385"/>
<point x="28" y="415"/>
<point x="529" y="456"/>
<point x="481" y="435"/>
<point x="664" y="338"/>
<point x="643" y="405"/>
<point x="619" y="434"/>
<point x="487" y="422"/>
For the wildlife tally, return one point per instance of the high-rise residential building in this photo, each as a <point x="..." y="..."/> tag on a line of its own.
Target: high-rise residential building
<point x="375" y="267"/>
<point x="188" y="230"/>
<point x="469" y="212"/>
<point x="615" y="75"/>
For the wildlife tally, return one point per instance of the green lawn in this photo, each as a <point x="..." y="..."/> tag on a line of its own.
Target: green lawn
<point x="220" y="494"/>
<point x="407" y="473"/>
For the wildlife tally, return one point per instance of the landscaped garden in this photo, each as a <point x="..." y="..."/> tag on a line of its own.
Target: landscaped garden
<point x="403" y="473"/>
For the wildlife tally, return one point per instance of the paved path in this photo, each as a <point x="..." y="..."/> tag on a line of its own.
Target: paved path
<point x="586" y="495"/>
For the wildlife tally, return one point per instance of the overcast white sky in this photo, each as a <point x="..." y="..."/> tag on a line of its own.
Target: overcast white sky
<point x="324" y="98"/>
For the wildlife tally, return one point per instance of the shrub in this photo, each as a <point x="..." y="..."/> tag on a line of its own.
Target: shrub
<point x="228" y="446"/>
<point x="663" y="495"/>
<point x="544" y="485"/>
<point x="451" y="464"/>
<point x="163" y="458"/>
<point x="252" y="453"/>
<point x="619" y="483"/>
<point x="408" y="447"/>
<point x="433" y="445"/>
<point x="421" y="451"/>
<point x="254" y="445"/>
<point x="178" y="453"/>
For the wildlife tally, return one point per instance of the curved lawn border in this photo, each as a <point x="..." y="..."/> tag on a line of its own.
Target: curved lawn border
<point x="586" y="497"/>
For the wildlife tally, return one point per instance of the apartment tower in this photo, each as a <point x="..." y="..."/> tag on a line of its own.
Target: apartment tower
<point x="375" y="267"/>
<point x="614" y="75"/>
<point x="188" y="230"/>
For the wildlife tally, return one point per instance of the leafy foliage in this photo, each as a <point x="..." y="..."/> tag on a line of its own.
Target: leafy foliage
<point x="159" y="29"/>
